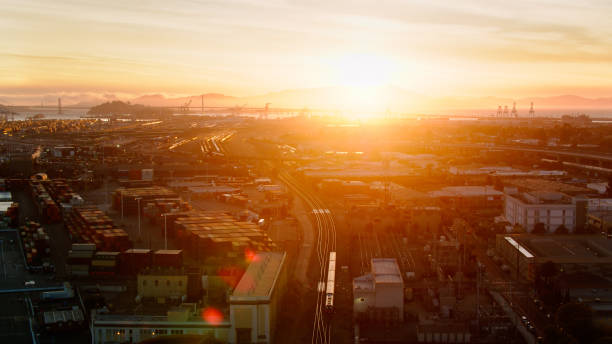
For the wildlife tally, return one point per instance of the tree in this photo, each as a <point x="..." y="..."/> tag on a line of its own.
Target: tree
<point x="539" y="228"/>
<point x="552" y="335"/>
<point x="547" y="271"/>
<point x="576" y="319"/>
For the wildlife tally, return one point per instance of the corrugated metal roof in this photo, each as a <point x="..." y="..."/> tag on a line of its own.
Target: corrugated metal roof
<point x="386" y="270"/>
<point x="260" y="277"/>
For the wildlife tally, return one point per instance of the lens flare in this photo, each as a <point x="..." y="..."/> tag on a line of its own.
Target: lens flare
<point x="212" y="315"/>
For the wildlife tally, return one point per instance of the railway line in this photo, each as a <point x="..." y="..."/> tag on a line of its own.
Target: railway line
<point x="325" y="252"/>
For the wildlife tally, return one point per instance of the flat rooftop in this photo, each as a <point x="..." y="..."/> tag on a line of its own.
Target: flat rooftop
<point x="386" y="270"/>
<point x="259" y="280"/>
<point x="564" y="248"/>
<point x="538" y="184"/>
<point x="466" y="191"/>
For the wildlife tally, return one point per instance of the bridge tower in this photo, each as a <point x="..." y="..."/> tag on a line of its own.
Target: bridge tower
<point x="499" y="111"/>
<point x="531" y="111"/>
<point x="505" y="114"/>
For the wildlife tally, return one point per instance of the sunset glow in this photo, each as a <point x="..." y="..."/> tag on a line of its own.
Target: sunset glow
<point x="247" y="48"/>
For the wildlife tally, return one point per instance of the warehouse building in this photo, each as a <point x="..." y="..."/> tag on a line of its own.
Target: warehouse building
<point x="379" y="295"/>
<point x="570" y="253"/>
<point x="255" y="301"/>
<point x="162" y="283"/>
<point x="185" y="319"/>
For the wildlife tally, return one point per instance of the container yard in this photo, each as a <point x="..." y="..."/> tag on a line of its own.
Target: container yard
<point x="217" y="234"/>
<point x="126" y="199"/>
<point x="35" y="243"/>
<point x="88" y="224"/>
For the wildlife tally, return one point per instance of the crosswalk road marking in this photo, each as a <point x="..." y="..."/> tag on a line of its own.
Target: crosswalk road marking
<point x="321" y="211"/>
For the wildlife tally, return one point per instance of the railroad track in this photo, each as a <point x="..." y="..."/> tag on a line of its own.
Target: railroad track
<point x="325" y="243"/>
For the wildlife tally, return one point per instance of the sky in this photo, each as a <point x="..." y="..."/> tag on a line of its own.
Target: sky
<point x="247" y="47"/>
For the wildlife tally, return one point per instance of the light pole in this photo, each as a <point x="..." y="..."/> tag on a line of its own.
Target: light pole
<point x="165" y="232"/>
<point x="121" y="207"/>
<point x="139" y="231"/>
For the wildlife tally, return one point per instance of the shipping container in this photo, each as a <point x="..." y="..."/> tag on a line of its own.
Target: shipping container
<point x="168" y="258"/>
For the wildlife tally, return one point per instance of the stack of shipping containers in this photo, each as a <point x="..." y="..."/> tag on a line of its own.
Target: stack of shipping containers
<point x="128" y="198"/>
<point x="87" y="224"/>
<point x="35" y="243"/>
<point x="217" y="234"/>
<point x="104" y="264"/>
<point x="47" y="208"/>
<point x="168" y="258"/>
<point x="79" y="259"/>
<point x="134" y="260"/>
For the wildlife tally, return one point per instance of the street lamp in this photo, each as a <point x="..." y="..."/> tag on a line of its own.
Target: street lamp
<point x="139" y="230"/>
<point x="121" y="207"/>
<point x="165" y="232"/>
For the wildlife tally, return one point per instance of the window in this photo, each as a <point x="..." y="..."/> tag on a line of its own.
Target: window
<point x="176" y="331"/>
<point x="167" y="283"/>
<point x="161" y="332"/>
<point x="156" y="283"/>
<point x="144" y="283"/>
<point x="180" y="283"/>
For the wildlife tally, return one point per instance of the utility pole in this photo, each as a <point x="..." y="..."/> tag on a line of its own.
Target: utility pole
<point x="165" y="232"/>
<point x="139" y="230"/>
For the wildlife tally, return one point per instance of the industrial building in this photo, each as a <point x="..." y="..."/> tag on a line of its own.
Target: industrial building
<point x="164" y="283"/>
<point x="255" y="302"/>
<point x="185" y="319"/>
<point x="570" y="253"/>
<point x="553" y="209"/>
<point x="379" y="295"/>
<point x="476" y="198"/>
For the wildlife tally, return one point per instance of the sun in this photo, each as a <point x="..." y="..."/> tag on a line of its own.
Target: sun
<point x="363" y="80"/>
<point x="363" y="70"/>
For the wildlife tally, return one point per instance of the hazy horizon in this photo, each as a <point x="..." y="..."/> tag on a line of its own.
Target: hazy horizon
<point x="245" y="48"/>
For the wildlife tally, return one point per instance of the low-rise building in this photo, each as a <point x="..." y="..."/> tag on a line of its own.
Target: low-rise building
<point x="185" y="319"/>
<point x="162" y="283"/>
<point x="255" y="302"/>
<point x="379" y="295"/>
<point x="553" y="209"/>
<point x="570" y="253"/>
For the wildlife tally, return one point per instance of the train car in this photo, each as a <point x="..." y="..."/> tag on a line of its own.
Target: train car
<point x="331" y="281"/>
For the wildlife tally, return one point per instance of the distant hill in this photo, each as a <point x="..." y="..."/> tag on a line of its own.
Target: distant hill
<point x="120" y="108"/>
<point x="377" y="99"/>
<point x="210" y="99"/>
